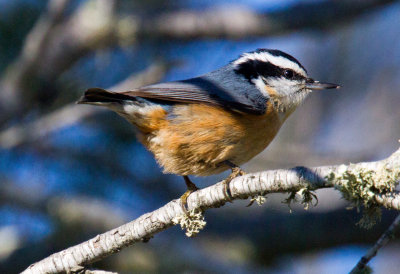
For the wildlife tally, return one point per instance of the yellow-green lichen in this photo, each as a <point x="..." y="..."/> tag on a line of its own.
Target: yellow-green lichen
<point x="360" y="185"/>
<point x="192" y="222"/>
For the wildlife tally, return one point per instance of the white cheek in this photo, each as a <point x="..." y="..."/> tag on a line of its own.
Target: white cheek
<point x="284" y="86"/>
<point x="261" y="86"/>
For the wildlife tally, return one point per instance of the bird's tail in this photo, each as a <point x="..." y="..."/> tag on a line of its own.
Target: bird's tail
<point x="98" y="96"/>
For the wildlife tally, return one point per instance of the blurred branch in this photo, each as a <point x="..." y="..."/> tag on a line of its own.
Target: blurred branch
<point x="71" y="113"/>
<point x="239" y="22"/>
<point x="297" y="180"/>
<point x="78" y="210"/>
<point x="26" y="198"/>
<point x="383" y="240"/>
<point x="33" y="51"/>
<point x="53" y="44"/>
<point x="57" y="42"/>
<point x="73" y="219"/>
<point x="75" y="210"/>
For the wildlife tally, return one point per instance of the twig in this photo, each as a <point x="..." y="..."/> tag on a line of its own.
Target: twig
<point x="142" y="229"/>
<point x="383" y="240"/>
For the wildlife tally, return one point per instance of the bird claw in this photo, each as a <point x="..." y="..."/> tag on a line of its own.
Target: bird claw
<point x="191" y="187"/>
<point x="236" y="172"/>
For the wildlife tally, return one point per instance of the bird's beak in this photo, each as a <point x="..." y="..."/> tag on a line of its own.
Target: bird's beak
<point x="315" y="85"/>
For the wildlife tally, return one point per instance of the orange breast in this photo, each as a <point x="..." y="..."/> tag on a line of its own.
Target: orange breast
<point x="195" y="139"/>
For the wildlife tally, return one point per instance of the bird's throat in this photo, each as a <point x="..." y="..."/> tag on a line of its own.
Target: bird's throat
<point x="287" y="104"/>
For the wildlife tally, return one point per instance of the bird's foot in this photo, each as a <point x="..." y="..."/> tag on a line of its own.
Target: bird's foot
<point x="236" y="172"/>
<point x="191" y="187"/>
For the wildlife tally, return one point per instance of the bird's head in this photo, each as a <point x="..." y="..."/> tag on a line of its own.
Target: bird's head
<point x="278" y="76"/>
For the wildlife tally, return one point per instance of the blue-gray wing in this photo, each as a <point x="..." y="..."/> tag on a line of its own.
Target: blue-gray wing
<point x="220" y="89"/>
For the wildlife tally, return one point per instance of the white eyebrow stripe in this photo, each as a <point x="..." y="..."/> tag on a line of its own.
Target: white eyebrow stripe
<point x="278" y="61"/>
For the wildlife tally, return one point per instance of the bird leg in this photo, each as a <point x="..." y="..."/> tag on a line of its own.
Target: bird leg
<point x="236" y="172"/>
<point x="191" y="187"/>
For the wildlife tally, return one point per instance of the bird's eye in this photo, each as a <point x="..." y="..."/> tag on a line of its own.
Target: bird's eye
<point x="288" y="73"/>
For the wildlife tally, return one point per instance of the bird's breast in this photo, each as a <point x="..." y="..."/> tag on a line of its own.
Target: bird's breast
<point x="195" y="139"/>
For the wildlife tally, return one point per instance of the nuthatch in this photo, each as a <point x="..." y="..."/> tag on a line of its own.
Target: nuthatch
<point x="220" y="120"/>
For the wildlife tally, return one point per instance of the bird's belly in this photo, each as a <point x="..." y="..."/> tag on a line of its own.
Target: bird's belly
<point x="197" y="139"/>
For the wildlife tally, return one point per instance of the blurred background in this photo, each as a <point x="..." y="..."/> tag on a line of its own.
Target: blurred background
<point x="69" y="172"/>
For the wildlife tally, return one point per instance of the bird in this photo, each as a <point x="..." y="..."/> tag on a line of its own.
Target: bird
<point x="217" y="121"/>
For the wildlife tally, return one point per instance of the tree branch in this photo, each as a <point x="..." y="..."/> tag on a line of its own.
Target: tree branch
<point x="383" y="240"/>
<point x="300" y="179"/>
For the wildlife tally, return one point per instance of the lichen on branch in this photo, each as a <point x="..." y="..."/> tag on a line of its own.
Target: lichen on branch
<point x="360" y="185"/>
<point x="368" y="184"/>
<point x="192" y="222"/>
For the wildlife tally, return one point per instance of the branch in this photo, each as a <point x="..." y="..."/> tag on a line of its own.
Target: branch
<point x="294" y="180"/>
<point x="389" y="200"/>
<point x="77" y="218"/>
<point x="383" y="240"/>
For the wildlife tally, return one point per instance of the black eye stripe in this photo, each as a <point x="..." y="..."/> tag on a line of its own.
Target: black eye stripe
<point x="293" y="76"/>
<point x="252" y="69"/>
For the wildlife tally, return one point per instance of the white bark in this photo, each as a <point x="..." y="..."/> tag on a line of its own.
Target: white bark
<point x="265" y="182"/>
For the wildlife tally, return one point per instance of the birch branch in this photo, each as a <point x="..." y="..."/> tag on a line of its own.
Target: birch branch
<point x="384" y="177"/>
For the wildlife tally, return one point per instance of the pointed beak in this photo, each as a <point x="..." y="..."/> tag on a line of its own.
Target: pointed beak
<point x="315" y="85"/>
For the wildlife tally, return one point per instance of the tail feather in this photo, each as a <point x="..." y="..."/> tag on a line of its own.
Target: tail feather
<point x="98" y="96"/>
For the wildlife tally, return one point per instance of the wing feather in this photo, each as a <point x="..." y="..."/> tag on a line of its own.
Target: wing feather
<point x="195" y="90"/>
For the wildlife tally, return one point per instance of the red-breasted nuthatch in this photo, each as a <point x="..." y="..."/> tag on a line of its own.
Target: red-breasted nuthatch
<point x="208" y="124"/>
